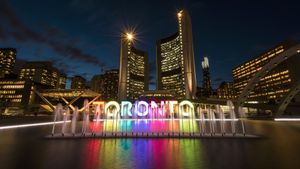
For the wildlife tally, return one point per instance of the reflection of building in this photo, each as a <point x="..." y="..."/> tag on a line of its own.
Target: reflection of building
<point x="276" y="83"/>
<point x="226" y="90"/>
<point x="78" y="82"/>
<point x="17" y="96"/>
<point x="207" y="88"/>
<point x="133" y="78"/>
<point x="175" y="60"/>
<point x="7" y="61"/>
<point x="110" y="84"/>
<point x="43" y="73"/>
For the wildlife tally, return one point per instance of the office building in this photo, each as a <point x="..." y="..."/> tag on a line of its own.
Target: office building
<point x="276" y="83"/>
<point x="133" y="75"/>
<point x="226" y="91"/>
<point x="15" y="95"/>
<point x="175" y="60"/>
<point x="7" y="61"/>
<point x="78" y="82"/>
<point x="97" y="83"/>
<point x="43" y="73"/>
<point x="110" y="84"/>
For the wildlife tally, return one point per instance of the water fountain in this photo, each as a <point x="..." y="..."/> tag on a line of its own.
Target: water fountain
<point x="86" y="117"/>
<point x="74" y="121"/>
<point x="185" y="120"/>
<point x="57" y="114"/>
<point x="66" y="114"/>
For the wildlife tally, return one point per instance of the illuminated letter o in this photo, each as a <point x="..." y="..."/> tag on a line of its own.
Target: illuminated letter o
<point x="141" y="114"/>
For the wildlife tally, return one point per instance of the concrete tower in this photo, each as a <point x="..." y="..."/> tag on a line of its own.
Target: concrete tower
<point x="175" y="60"/>
<point x="133" y="75"/>
<point x="207" y="88"/>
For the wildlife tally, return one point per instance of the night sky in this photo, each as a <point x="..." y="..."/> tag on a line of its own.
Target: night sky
<point x="83" y="36"/>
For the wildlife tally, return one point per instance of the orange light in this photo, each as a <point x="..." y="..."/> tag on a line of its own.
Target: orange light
<point x="129" y="36"/>
<point x="179" y="14"/>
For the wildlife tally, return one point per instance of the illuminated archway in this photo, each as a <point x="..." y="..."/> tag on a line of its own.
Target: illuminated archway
<point x="264" y="70"/>
<point x="288" y="98"/>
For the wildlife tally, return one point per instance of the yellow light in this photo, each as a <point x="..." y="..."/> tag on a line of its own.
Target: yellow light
<point x="179" y="14"/>
<point x="129" y="36"/>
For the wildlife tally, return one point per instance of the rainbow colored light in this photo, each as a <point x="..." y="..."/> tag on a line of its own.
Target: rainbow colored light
<point x="143" y="108"/>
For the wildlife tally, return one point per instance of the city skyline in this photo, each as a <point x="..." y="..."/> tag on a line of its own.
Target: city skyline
<point x="88" y="84"/>
<point x="96" y="38"/>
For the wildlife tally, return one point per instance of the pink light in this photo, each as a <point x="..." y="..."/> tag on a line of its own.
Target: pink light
<point x="139" y="110"/>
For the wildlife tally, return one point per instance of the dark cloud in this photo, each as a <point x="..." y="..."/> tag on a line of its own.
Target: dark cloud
<point x="68" y="50"/>
<point x="14" y="26"/>
<point x="54" y="38"/>
<point x="69" y="69"/>
<point x="53" y="32"/>
<point x="64" y="67"/>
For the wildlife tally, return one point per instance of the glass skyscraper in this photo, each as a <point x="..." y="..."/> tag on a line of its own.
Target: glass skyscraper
<point x="7" y="61"/>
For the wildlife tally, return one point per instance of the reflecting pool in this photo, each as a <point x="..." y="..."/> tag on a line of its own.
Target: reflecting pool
<point x="279" y="148"/>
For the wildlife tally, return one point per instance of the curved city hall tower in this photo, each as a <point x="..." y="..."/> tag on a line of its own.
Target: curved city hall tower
<point x="133" y="77"/>
<point x="175" y="60"/>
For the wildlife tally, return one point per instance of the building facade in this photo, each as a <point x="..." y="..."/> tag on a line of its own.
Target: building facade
<point x="15" y="95"/>
<point x="7" y="61"/>
<point x="175" y="60"/>
<point x="133" y="75"/>
<point x="110" y="84"/>
<point x="276" y="83"/>
<point x="43" y="73"/>
<point x="78" y="82"/>
<point x="156" y="95"/>
<point x="226" y="91"/>
<point x="207" y="87"/>
<point x="97" y="83"/>
<point x="62" y="81"/>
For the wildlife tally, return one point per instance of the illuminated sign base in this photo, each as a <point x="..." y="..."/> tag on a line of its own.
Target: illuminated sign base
<point x="170" y="119"/>
<point x="151" y="135"/>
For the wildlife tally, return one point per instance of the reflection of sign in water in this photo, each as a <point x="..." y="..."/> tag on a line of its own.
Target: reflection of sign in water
<point x="143" y="108"/>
